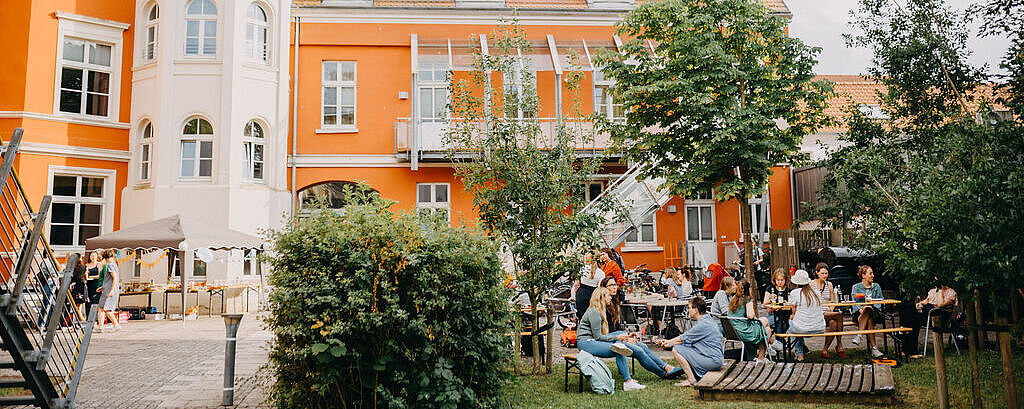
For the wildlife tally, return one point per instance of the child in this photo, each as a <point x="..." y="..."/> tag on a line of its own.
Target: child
<point x="776" y="296"/>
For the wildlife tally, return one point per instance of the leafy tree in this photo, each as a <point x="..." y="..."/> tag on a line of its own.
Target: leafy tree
<point x="724" y="95"/>
<point x="930" y="186"/>
<point x="524" y="180"/>
<point x="372" y="308"/>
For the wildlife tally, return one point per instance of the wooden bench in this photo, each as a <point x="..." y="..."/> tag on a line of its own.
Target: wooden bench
<point x="799" y="382"/>
<point x="573" y="364"/>
<point x="787" y="339"/>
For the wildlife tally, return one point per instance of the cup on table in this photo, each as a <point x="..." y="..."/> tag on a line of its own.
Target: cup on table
<point x="859" y="297"/>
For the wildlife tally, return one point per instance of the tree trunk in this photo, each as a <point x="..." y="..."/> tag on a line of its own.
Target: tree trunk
<point x="551" y="341"/>
<point x="982" y="334"/>
<point x="1004" y="351"/>
<point x="972" y="348"/>
<point x="940" y="367"/>
<point x="536" y="324"/>
<point x="748" y="247"/>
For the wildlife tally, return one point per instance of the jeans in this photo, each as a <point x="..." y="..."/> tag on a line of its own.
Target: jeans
<point x="647" y="359"/>
<point x="603" y="349"/>
<point x="798" y="345"/>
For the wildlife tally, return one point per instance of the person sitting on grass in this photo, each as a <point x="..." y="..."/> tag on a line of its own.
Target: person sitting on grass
<point x="701" y="348"/>
<point x="868" y="315"/>
<point x="833" y="318"/>
<point x="808" y="318"/>
<point x="751" y="331"/>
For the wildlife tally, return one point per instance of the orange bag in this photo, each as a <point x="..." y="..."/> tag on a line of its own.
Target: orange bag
<point x="569" y="338"/>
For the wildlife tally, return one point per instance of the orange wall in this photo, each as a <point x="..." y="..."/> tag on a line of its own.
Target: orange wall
<point x="33" y="170"/>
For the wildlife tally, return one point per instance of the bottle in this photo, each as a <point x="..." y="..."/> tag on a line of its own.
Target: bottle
<point x="839" y="293"/>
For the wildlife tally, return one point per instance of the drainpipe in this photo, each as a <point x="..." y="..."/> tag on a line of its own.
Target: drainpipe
<point x="295" y="115"/>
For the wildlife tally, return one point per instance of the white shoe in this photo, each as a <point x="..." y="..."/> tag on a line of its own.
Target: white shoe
<point x="777" y="345"/>
<point x="857" y="340"/>
<point x="876" y="353"/>
<point x="632" y="385"/>
<point x="621" y="349"/>
<point x="682" y="383"/>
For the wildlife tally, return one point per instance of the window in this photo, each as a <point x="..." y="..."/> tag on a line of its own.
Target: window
<point x="519" y="80"/>
<point x="77" y="210"/>
<point x="197" y="149"/>
<point x="145" y="153"/>
<point x="252" y="150"/>
<point x="85" y="77"/>
<point x="644" y="233"/>
<point x="433" y="97"/>
<point x="248" y="262"/>
<point x="152" y="21"/>
<point x="339" y="96"/>
<point x="604" y="101"/>
<point x="201" y="28"/>
<point x="699" y="225"/>
<point x="433" y="197"/>
<point x="256" y="34"/>
<point x="136" y="268"/>
<point x="198" y="267"/>
<point x="872" y="111"/>
<point x="591" y="190"/>
<point x="335" y="194"/>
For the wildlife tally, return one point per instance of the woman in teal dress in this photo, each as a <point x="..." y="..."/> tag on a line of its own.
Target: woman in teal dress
<point x="750" y="329"/>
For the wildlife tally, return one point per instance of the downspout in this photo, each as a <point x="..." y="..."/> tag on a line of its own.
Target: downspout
<point x="295" y="116"/>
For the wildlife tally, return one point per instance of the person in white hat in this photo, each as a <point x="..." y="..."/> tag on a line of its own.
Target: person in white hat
<point x="808" y="318"/>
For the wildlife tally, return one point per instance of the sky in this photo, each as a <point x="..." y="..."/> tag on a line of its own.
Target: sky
<point x="822" y="23"/>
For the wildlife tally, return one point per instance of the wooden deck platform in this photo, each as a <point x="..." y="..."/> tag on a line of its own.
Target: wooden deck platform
<point x="799" y="382"/>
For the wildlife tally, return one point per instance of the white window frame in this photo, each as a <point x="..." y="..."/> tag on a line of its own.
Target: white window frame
<point x="600" y="82"/>
<point x="255" y="52"/>
<point x="109" y="177"/>
<point x="754" y="202"/>
<point x="434" y="205"/>
<point x="433" y="85"/>
<point x="248" y="146"/>
<point x="338" y="84"/>
<point x="520" y="66"/>
<point x="202" y="39"/>
<point x="586" y="189"/>
<point x="151" y="34"/>
<point x="95" y="30"/>
<point x="198" y="139"/>
<point x="146" y="151"/>
<point x="637" y="235"/>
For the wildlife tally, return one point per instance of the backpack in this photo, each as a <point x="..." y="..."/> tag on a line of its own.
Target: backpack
<point x="671" y="330"/>
<point x="600" y="377"/>
<point x="569" y="338"/>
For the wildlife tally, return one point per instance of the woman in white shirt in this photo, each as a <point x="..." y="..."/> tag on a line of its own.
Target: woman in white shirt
<point x="590" y="279"/>
<point x="809" y="318"/>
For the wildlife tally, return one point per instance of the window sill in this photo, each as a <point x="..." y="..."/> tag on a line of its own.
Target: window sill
<point x="198" y="60"/>
<point x="336" y="130"/>
<point x="630" y="248"/>
<point x="85" y="119"/>
<point x="145" y="65"/>
<point x="146" y="184"/>
<point x="205" y="179"/>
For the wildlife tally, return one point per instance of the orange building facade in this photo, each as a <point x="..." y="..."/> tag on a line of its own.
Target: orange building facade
<point x="226" y="110"/>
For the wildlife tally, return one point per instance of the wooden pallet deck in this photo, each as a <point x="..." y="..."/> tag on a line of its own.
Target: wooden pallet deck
<point x="799" y="382"/>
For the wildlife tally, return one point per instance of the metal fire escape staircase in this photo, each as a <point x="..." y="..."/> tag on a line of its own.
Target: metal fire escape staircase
<point x="637" y="198"/>
<point x="43" y="334"/>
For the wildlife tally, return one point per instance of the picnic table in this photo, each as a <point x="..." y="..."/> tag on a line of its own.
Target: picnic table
<point x="884" y="331"/>
<point x="656" y="300"/>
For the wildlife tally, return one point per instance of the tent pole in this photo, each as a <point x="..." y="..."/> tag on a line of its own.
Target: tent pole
<point x="184" y="288"/>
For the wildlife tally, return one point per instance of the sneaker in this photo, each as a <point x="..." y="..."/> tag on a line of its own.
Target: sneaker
<point x="876" y="353"/>
<point x="632" y="385"/>
<point x="777" y="345"/>
<point x="621" y="349"/>
<point x="857" y="340"/>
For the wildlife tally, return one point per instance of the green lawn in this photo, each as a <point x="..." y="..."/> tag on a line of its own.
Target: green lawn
<point x="915" y="388"/>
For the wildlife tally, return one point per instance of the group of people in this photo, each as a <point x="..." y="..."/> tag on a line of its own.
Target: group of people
<point x="97" y="282"/>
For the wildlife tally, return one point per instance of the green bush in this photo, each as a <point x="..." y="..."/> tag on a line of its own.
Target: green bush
<point x="377" y="309"/>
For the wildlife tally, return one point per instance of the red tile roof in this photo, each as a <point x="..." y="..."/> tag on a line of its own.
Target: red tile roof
<point x="546" y="4"/>
<point x="859" y="89"/>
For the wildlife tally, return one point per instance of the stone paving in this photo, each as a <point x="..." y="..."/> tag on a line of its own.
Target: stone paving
<point x="159" y="364"/>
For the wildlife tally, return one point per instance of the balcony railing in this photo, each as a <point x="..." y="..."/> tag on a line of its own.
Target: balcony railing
<point x="431" y="140"/>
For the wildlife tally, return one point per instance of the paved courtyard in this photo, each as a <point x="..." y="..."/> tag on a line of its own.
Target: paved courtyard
<point x="159" y="364"/>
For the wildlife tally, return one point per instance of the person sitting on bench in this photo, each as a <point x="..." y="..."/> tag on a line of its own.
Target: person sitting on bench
<point x="808" y="318"/>
<point x="866" y="316"/>
<point x="940" y="299"/>
<point x="833" y="318"/>
<point x="774" y="297"/>
<point x="593" y="337"/>
<point x="701" y="348"/>
<point x="753" y="330"/>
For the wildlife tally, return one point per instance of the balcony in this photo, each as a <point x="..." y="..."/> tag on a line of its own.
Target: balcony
<point x="430" y="142"/>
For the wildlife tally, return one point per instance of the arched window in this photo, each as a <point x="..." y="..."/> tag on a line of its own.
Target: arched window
<point x="201" y="28"/>
<point x="253" y="149"/>
<point x="257" y="34"/>
<point x="145" y="150"/>
<point x="333" y="192"/>
<point x="196" y="149"/>
<point x="152" y="21"/>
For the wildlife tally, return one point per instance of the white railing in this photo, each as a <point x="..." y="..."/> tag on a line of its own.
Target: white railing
<point x="432" y="135"/>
